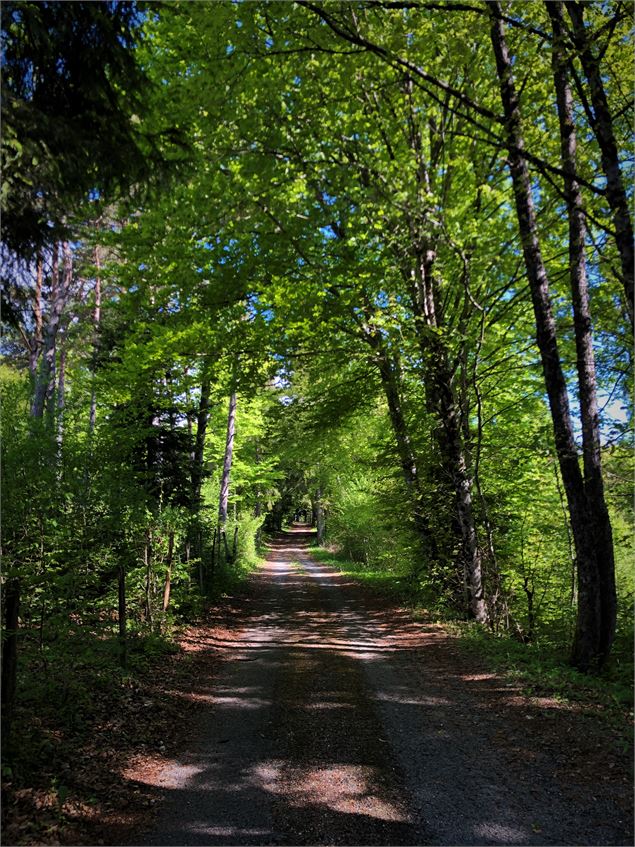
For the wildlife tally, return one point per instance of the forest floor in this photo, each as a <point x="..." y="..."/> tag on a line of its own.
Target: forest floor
<point x="308" y="709"/>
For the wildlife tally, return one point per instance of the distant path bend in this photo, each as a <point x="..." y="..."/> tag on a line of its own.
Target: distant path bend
<point x="334" y="719"/>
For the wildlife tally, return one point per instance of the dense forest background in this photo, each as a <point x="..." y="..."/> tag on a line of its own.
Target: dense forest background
<point x="370" y="260"/>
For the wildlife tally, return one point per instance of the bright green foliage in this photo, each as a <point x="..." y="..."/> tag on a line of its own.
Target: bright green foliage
<point x="320" y="173"/>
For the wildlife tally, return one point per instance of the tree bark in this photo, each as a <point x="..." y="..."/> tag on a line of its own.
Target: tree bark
<point x="409" y="466"/>
<point x="168" y="573"/>
<point x="602" y="125"/>
<point x="442" y="402"/>
<point x="227" y="463"/>
<point x="44" y="392"/>
<point x="202" y="418"/>
<point x="10" y="653"/>
<point x="36" y="344"/>
<point x="96" y="322"/>
<point x="320" y="521"/>
<point x="147" y="561"/>
<point x="61" y="402"/>
<point x="587" y="644"/>
<point x="121" y="598"/>
<point x="589" y="413"/>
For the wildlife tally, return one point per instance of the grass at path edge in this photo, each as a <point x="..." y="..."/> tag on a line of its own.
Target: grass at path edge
<point x="540" y="668"/>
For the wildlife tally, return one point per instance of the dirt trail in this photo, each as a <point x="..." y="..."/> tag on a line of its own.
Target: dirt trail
<point x="335" y="720"/>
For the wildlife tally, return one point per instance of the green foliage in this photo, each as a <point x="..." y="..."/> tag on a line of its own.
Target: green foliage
<point x="72" y="110"/>
<point x="542" y="669"/>
<point x="280" y="266"/>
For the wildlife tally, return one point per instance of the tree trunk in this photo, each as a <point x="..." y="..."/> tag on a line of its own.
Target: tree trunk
<point x="407" y="459"/>
<point x="227" y="466"/>
<point x="202" y="418"/>
<point x="587" y="642"/>
<point x="235" y="544"/>
<point x="168" y="573"/>
<point x="121" y="596"/>
<point x="47" y="359"/>
<point x="602" y="125"/>
<point x="320" y="518"/>
<point x="147" y="561"/>
<point x="196" y="473"/>
<point x="227" y="462"/>
<point x="320" y="521"/>
<point x="96" y="322"/>
<point x="10" y="653"/>
<point x="441" y="400"/>
<point x="36" y="345"/>
<point x="212" y="561"/>
<point x="61" y="400"/>
<point x="593" y="481"/>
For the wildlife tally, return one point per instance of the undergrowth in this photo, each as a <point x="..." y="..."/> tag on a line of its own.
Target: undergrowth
<point x="541" y="668"/>
<point x="80" y="716"/>
<point x="391" y="582"/>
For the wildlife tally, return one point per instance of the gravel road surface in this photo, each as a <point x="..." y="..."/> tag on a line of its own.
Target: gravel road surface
<point x="334" y="718"/>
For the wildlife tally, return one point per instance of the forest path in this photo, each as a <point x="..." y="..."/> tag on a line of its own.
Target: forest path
<point x="336" y="719"/>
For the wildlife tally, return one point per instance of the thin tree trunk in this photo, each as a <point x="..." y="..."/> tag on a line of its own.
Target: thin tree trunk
<point x="320" y="522"/>
<point x="589" y="413"/>
<point x="587" y="643"/>
<point x="96" y="322"/>
<point x="196" y="475"/>
<point x="121" y="597"/>
<point x="212" y="561"/>
<point x="147" y="561"/>
<point x="10" y="653"/>
<point x="47" y="359"/>
<point x="36" y="345"/>
<point x="403" y="442"/>
<point x="497" y="596"/>
<point x="602" y="125"/>
<point x="168" y="573"/>
<point x="442" y="402"/>
<point x="61" y="401"/>
<point x="227" y="466"/>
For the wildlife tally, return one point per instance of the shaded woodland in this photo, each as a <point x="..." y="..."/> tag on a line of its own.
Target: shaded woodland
<point x="371" y="261"/>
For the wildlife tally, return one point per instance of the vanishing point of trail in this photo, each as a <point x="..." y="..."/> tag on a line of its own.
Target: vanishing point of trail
<point x="334" y="718"/>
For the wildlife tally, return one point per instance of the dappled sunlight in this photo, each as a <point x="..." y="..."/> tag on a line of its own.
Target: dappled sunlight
<point x="405" y="700"/>
<point x="322" y="688"/>
<point x="239" y="702"/>
<point x="345" y="788"/>
<point x="495" y="833"/>
<point x="233" y="832"/>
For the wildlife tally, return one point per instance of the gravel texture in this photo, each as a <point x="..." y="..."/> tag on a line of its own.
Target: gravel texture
<point x="334" y="718"/>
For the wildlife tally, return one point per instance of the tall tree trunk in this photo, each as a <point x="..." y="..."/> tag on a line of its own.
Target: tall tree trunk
<point x="202" y="418"/>
<point x="10" y="653"/>
<point x="602" y="125"/>
<point x="227" y="467"/>
<point x="36" y="345"/>
<point x="147" y="562"/>
<point x="121" y="599"/>
<point x="44" y="392"/>
<point x="388" y="372"/>
<point x="168" y="573"/>
<point x="587" y="644"/>
<point x="318" y="512"/>
<point x="96" y="322"/>
<point x="591" y="446"/>
<point x="442" y="402"/>
<point x="61" y="402"/>
<point x="47" y="359"/>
